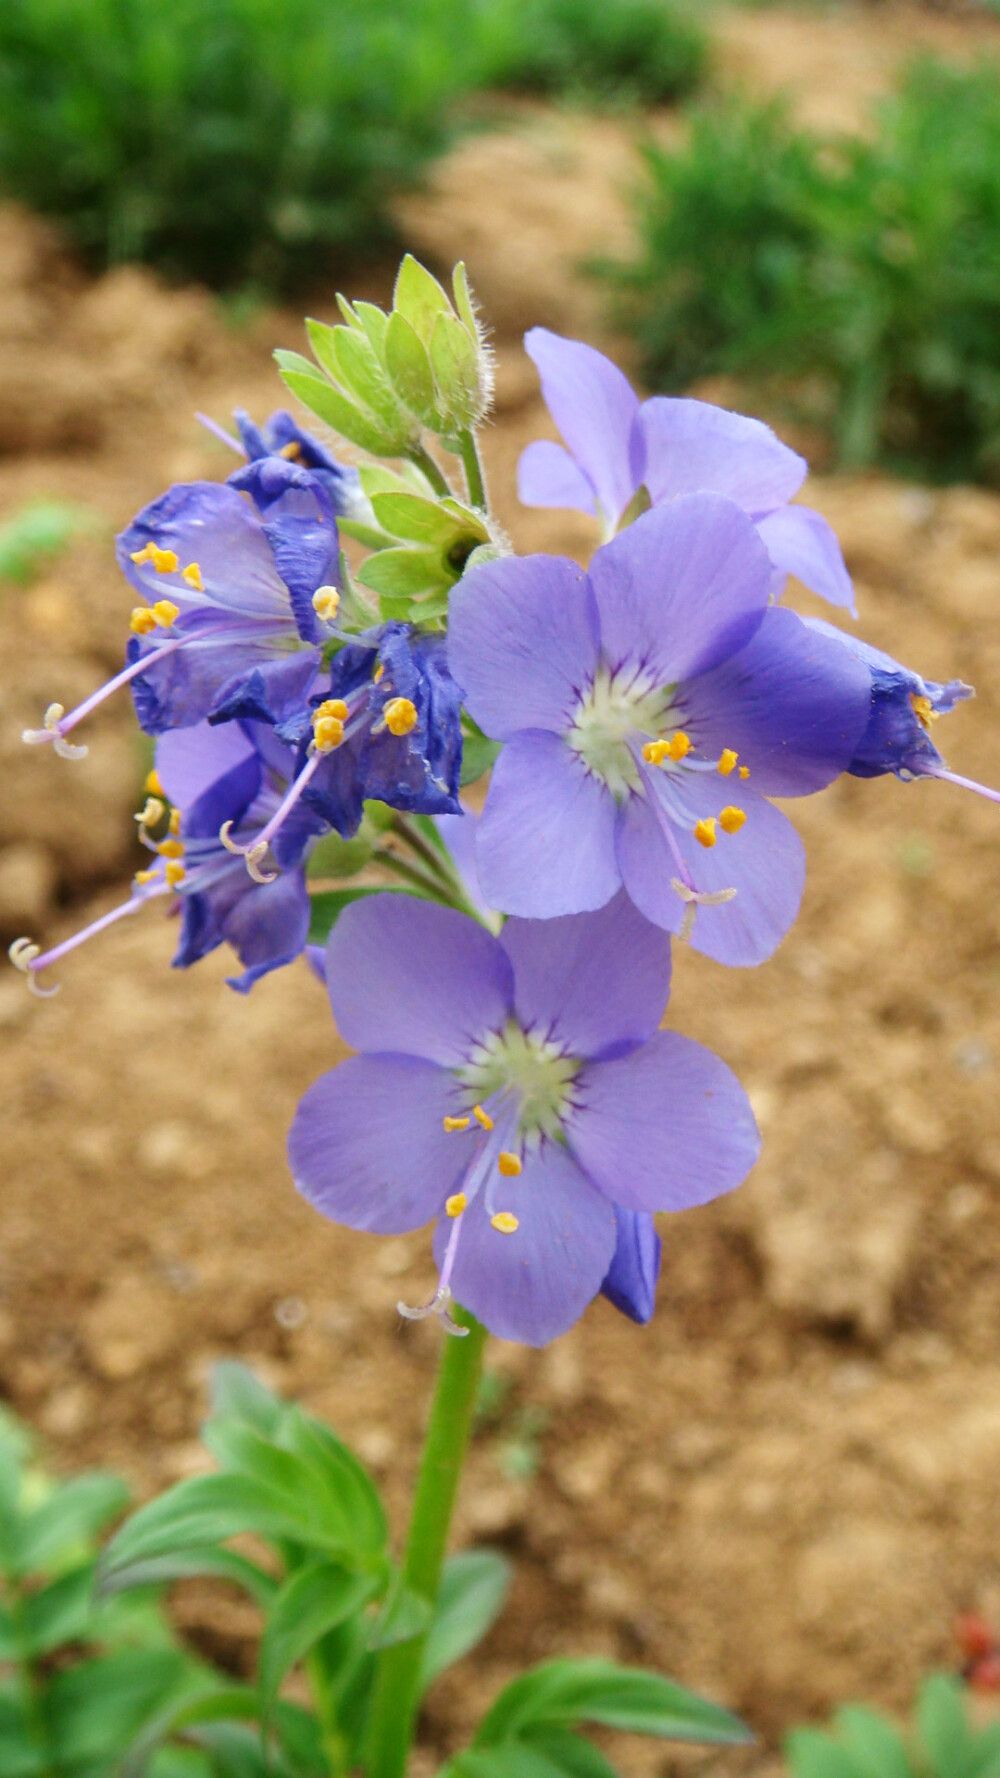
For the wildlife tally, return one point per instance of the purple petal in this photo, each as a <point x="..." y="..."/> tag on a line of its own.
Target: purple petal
<point x="269" y="927"/>
<point x="590" y="981"/>
<point x="406" y="975"/>
<point x="692" y="445"/>
<point x="533" y="1284"/>
<point x="681" y="589"/>
<point x="300" y="525"/>
<point x="548" y="476"/>
<point x="635" y="1269"/>
<point x="764" y="863"/>
<point x="208" y="523"/>
<point x="367" y="1146"/>
<point x="190" y="760"/>
<point x="595" y="409"/>
<point x="546" y="839"/>
<point x="522" y="640"/>
<point x="800" y="542"/>
<point x="664" y="1128"/>
<point x="793" y="704"/>
<point x="274" y="692"/>
<point x="220" y="651"/>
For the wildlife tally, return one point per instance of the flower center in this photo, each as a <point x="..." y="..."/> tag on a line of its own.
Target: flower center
<point x="616" y="709"/>
<point x="533" y="1070"/>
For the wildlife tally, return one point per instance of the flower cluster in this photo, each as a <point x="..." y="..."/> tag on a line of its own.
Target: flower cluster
<point x="512" y="1082"/>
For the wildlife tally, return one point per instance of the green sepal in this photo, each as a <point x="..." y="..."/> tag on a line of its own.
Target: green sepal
<point x="413" y="518"/>
<point x="366" y="535"/>
<point x="323" y="400"/>
<point x="404" y="573"/>
<point x="455" y="363"/>
<point x="419" y="298"/>
<point x="313" y="1601"/>
<point x="565" y="1693"/>
<point x="360" y="372"/>
<point x="334" y="857"/>
<point x="409" y="368"/>
<point x="478" y="751"/>
<point x="465" y="301"/>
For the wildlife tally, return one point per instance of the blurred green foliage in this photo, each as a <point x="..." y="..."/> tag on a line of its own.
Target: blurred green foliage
<point x="36" y="534"/>
<point x="860" y="278"/>
<point x="242" y="141"/>
<point x="864" y="1744"/>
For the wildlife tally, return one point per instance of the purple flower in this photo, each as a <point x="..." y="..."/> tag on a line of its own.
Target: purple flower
<point x="903" y="710"/>
<point x="635" y="1267"/>
<point x="516" y="1089"/>
<point x="669" y="446"/>
<point x="648" y="709"/>
<point x="281" y="436"/>
<point x="210" y="782"/>
<point x="232" y="586"/>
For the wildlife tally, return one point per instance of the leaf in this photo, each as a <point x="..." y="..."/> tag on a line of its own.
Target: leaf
<point x="58" y="1613"/>
<point x="191" y="1564"/>
<point x="313" y="1601"/>
<point x="363" y="534"/>
<point x="813" y="1754"/>
<point x="238" y="1394"/>
<point x="404" y="1616"/>
<point x="410" y="370"/>
<point x="877" y="1749"/>
<point x="985" y="1760"/>
<point x="326" y="908"/>
<point x="72" y="1515"/>
<point x="455" y="363"/>
<point x="403" y="573"/>
<point x="571" y="1754"/>
<point x="473" y="1589"/>
<point x="478" y="755"/>
<point x="413" y="518"/>
<point x="204" y="1510"/>
<point x="361" y="373"/>
<point x="95" y="1710"/>
<point x="319" y="1498"/>
<point x="575" y="1691"/>
<point x="419" y="298"/>
<point x="345" y="1477"/>
<point x="944" y="1730"/>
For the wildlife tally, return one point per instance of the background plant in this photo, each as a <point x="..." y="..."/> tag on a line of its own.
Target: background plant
<point x="860" y="278"/>
<point x="642" y="51"/>
<point x="865" y="1744"/>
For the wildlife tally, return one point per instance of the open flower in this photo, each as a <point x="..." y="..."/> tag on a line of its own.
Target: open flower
<point x="625" y="453"/>
<point x="516" y="1089"/>
<point x="230" y="586"/>
<point x="206" y="779"/>
<point x="648" y="709"/>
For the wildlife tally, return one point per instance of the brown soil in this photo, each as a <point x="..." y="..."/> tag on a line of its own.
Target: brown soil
<point x="781" y="1491"/>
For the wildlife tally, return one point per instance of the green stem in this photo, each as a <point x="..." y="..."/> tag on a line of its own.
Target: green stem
<point x="475" y="481"/>
<point x="435" y="860"/>
<point x="396" y="1694"/>
<point x="431" y="886"/>
<point x="426" y="464"/>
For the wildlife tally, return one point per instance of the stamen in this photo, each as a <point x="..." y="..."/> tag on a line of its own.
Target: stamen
<point x="153" y="812"/>
<point x="482" y="1117"/>
<point x="924" y="711"/>
<point x="192" y="574"/>
<point x="174" y="873"/>
<point x="454" y="1205"/>
<point x="655" y="752"/>
<point x="142" y="877"/>
<point x="152" y="785"/>
<point x="727" y="760"/>
<point x="456" y="1123"/>
<point x="57" y="724"/>
<point x="166" y="612"/>
<point x="163" y="560"/>
<point x="400" y="716"/>
<point x="438" y="1304"/>
<point x="732" y="819"/>
<point x="704" y="831"/>
<point x="326" y="603"/>
<point x="509" y="1164"/>
<point x="328" y="732"/>
<point x="142" y="621"/>
<point x="174" y="825"/>
<point x="744" y="771"/>
<point x="505" y="1222"/>
<point x="379" y="673"/>
<point x="171" y="848"/>
<point x="679" y="746"/>
<point x="292" y="452"/>
<point x="333" y="707"/>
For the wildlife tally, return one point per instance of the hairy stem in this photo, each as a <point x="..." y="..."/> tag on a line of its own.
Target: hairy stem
<point x="396" y="1694"/>
<point x="475" y="481"/>
<point x="427" y="466"/>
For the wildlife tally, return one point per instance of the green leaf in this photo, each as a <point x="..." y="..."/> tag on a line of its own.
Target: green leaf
<point x="404" y="1616"/>
<point x="944" y="1729"/>
<point x="473" y="1588"/>
<point x="192" y="1564"/>
<point x="409" y="368"/>
<point x="455" y="363"/>
<point x="346" y="1479"/>
<point x="568" y="1692"/>
<point x="313" y="1601"/>
<point x="878" y="1750"/>
<point x="326" y="908"/>
<point x="571" y="1754"/>
<point x="813" y="1754"/>
<point x="58" y="1613"/>
<point x="321" y="1494"/>
<point x="20" y="1754"/>
<point x="237" y="1394"/>
<point x="95" y="1710"/>
<point x="404" y="573"/>
<point x="363" y="534"/>
<point x="30" y="539"/>
<point x="209" y="1509"/>
<point x="985" y="1760"/>
<point x="419" y="298"/>
<point x="413" y="518"/>
<point x="73" y="1515"/>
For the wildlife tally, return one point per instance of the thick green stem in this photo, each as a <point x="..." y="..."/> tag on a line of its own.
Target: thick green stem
<point x="427" y="466"/>
<point x="475" y="481"/>
<point x="395" y="1698"/>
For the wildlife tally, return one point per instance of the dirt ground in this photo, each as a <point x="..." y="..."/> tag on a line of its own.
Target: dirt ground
<point x="782" y="1490"/>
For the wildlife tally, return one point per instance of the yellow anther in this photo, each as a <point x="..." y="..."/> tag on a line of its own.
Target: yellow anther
<point x="679" y="745"/>
<point x="704" y="831"/>
<point x="744" y="771"/>
<point x="509" y="1164"/>
<point x="192" y="574"/>
<point x="456" y="1123"/>
<point x="291" y="451"/>
<point x="655" y="752"/>
<point x="171" y="848"/>
<point x="152" y="786"/>
<point x="328" y="733"/>
<point x="400" y="716"/>
<point x="146" y="876"/>
<point x="141" y="621"/>
<point x="504" y="1222"/>
<point x="923" y="710"/>
<point x="326" y="603"/>
<point x="332" y="707"/>
<point x="454" y="1205"/>
<point x="163" y="560"/>
<point x="482" y="1117"/>
<point x="727" y="760"/>
<point x="165" y="612"/>
<point x="175" y="821"/>
<point x="145" y="554"/>
<point x="378" y="674"/>
<point x="174" y="873"/>
<point x="732" y="819"/>
<point x="153" y="812"/>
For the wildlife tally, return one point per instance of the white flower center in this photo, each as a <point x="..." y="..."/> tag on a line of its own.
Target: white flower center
<point x="618" y="710"/>
<point x="533" y="1069"/>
